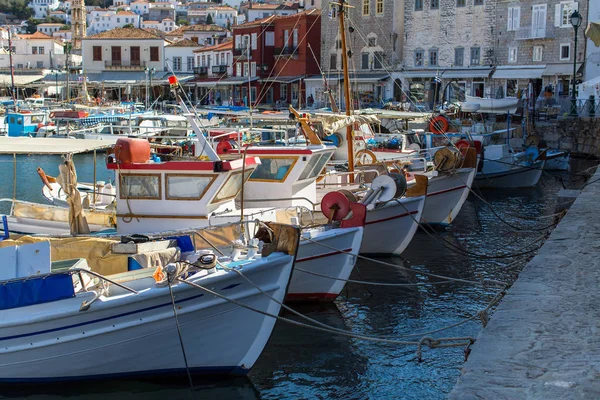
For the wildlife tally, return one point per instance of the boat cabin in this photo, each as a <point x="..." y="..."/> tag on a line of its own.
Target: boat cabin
<point x="167" y="125"/>
<point x="157" y="196"/>
<point x="25" y="123"/>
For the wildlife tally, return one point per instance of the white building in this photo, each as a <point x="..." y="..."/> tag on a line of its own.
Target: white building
<point x="37" y="51"/>
<point x="49" y="28"/>
<point x="139" y="7"/>
<point x="215" y="61"/>
<point x="166" y="25"/>
<point x="180" y="56"/>
<point x="42" y="7"/>
<point x="63" y="34"/>
<point x="61" y="14"/>
<point x="123" y="49"/>
<point x="254" y="11"/>
<point x="121" y="3"/>
<point x="110" y="20"/>
<point x="223" y="15"/>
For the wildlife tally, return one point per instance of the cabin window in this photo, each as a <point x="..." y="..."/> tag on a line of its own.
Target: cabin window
<point x="273" y="169"/>
<point x="36" y="119"/>
<point x="19" y="121"/>
<point x="12" y="120"/>
<point x="315" y="166"/>
<point x="232" y="186"/>
<point x="187" y="187"/>
<point x="140" y="187"/>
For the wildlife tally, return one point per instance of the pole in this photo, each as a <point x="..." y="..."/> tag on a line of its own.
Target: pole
<point x="249" y="86"/>
<point x="349" y="136"/>
<point x="573" y="97"/>
<point x="68" y="94"/>
<point x="56" y="82"/>
<point x="12" y="69"/>
<point x="147" y="73"/>
<point x="151" y="90"/>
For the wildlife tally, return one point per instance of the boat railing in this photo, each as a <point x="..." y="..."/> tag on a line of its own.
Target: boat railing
<point x="360" y="174"/>
<point x="312" y="203"/>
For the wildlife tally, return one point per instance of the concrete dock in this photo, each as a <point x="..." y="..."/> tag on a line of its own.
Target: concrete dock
<point x="543" y="341"/>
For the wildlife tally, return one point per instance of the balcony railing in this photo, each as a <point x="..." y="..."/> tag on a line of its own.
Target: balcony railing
<point x="219" y="69"/>
<point x="241" y="53"/>
<point x="533" y="32"/>
<point x="285" y="51"/>
<point x="124" y="65"/>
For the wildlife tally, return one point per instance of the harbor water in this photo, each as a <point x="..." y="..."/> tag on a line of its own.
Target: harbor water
<point x="300" y="363"/>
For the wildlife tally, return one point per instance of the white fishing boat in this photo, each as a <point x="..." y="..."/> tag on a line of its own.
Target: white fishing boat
<point x="493" y="106"/>
<point x="66" y="321"/>
<point x="503" y="168"/>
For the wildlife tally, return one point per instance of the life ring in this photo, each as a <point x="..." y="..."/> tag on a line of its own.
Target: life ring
<point x="52" y="114"/>
<point x="439" y="125"/>
<point x="361" y="157"/>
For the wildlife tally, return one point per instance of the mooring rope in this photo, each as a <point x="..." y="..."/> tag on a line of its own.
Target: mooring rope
<point x="369" y="282"/>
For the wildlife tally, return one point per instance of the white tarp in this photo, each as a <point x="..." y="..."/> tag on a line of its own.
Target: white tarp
<point x="334" y="122"/>
<point x="26" y="145"/>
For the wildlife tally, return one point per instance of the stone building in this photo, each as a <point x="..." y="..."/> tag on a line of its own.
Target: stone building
<point x="448" y="49"/>
<point x="535" y="44"/>
<point x="374" y="42"/>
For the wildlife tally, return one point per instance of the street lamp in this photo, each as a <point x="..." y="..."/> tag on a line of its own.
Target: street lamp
<point x="576" y="22"/>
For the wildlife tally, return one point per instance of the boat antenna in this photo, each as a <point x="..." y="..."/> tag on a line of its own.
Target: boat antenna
<point x="349" y="136"/>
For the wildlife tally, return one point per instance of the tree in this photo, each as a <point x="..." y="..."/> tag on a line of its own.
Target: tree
<point x="182" y="22"/>
<point x="209" y="19"/>
<point x="32" y="24"/>
<point x="66" y="27"/>
<point x="128" y="26"/>
<point x="18" y="8"/>
<point x="55" y="20"/>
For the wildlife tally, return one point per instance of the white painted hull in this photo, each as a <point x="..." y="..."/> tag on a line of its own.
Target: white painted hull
<point x="137" y="335"/>
<point x="494" y="106"/>
<point x="391" y="226"/>
<point x="557" y="161"/>
<point x="514" y="177"/>
<point x="446" y="195"/>
<point x="42" y="227"/>
<point x="316" y="258"/>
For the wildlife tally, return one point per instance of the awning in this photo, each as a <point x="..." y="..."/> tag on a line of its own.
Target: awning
<point x="466" y="73"/>
<point x="519" y="72"/>
<point x="284" y="79"/>
<point x="236" y="80"/>
<point x="366" y="77"/>
<point x="25" y="145"/>
<point x="207" y="83"/>
<point x="421" y="74"/>
<point x="5" y="80"/>
<point x="560" y="69"/>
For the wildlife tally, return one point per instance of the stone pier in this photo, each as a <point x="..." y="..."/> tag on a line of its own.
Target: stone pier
<point x="543" y="341"/>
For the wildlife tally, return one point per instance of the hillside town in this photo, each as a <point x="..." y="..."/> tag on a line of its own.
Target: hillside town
<point x="270" y="54"/>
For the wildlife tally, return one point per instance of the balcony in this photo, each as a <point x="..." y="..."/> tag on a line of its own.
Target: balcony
<point x="533" y="32"/>
<point x="241" y="53"/>
<point x="285" y="51"/>
<point x="201" y="71"/>
<point x="219" y="69"/>
<point x="124" y="65"/>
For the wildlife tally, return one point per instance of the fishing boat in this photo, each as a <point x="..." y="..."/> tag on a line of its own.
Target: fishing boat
<point x="87" y="319"/>
<point x="503" y="168"/>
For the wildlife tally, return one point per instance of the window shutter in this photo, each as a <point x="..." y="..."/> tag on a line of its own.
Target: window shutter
<point x="510" y="19"/>
<point x="516" y="18"/>
<point x="237" y="41"/>
<point x="254" y="40"/>
<point x="557" y="15"/>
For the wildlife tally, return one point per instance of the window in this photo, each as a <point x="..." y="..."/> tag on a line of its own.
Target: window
<point x="563" y="13"/>
<point x="176" y="63"/>
<point x="315" y="166"/>
<point x="418" y="5"/>
<point x="203" y="61"/>
<point x="232" y="186"/>
<point x="538" y="21"/>
<point x="512" y="54"/>
<point x="238" y="69"/>
<point x="565" y="51"/>
<point x="34" y="50"/>
<point x="40" y="65"/>
<point x="378" y="60"/>
<point x="460" y="3"/>
<point x="379" y="6"/>
<point x="514" y="18"/>
<point x="364" y="61"/>
<point x="477" y="2"/>
<point x="187" y="187"/>
<point x="118" y="20"/>
<point x="433" y="57"/>
<point x="269" y="38"/>
<point x="435" y="4"/>
<point x="154" y="53"/>
<point x="246" y="69"/>
<point x="511" y="88"/>
<point x="295" y="38"/>
<point x="419" y="58"/>
<point x="140" y="187"/>
<point x="475" y="55"/>
<point x="273" y="169"/>
<point x="538" y="53"/>
<point x="365" y="7"/>
<point x="372" y="42"/>
<point x="283" y="92"/>
<point x="459" y="57"/>
<point x="333" y="62"/>
<point x="190" y="63"/>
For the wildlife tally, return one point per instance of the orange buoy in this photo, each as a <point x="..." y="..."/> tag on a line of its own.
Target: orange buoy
<point x="439" y="125"/>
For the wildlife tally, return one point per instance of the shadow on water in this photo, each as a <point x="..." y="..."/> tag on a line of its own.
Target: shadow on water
<point x="172" y="389"/>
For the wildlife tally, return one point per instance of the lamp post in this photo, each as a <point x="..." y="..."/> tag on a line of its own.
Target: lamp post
<point x="576" y="22"/>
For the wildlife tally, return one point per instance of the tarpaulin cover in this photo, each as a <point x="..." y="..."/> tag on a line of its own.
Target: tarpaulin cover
<point x="593" y="33"/>
<point x="21" y="293"/>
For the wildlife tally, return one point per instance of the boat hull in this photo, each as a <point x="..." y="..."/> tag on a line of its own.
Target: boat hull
<point x="391" y="226"/>
<point x="315" y="258"/>
<point x="136" y="335"/>
<point x="446" y="195"/>
<point x="514" y="177"/>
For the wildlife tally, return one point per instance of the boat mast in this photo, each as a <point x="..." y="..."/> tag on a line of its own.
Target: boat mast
<point x="349" y="136"/>
<point x="12" y="69"/>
